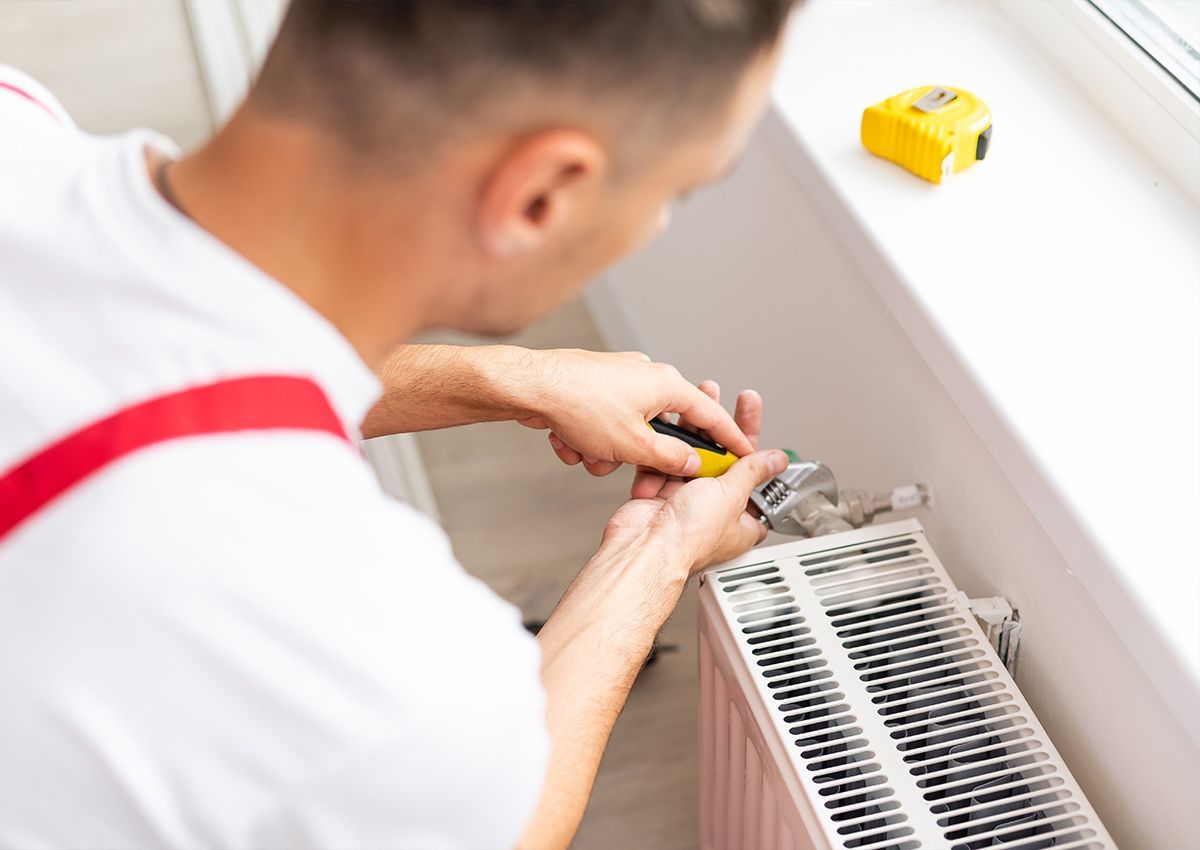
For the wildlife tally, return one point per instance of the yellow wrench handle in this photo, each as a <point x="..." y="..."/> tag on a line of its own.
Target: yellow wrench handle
<point x="715" y="459"/>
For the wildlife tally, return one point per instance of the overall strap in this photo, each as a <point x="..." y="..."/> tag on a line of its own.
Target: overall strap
<point x="264" y="402"/>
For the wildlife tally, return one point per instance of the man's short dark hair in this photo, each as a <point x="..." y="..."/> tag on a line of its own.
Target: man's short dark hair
<point x="405" y="75"/>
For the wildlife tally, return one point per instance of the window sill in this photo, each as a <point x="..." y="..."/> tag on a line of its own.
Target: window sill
<point x="1054" y="289"/>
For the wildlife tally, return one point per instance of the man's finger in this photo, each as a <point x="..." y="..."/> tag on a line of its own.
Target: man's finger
<point x="565" y="453"/>
<point x="753" y="528"/>
<point x="672" y="456"/>
<point x="537" y="423"/>
<point x="753" y="470"/>
<point x="671" y="487"/>
<point x="600" y="468"/>
<point x="647" y="483"/>
<point x="711" y="389"/>
<point x="703" y="412"/>
<point x="747" y="413"/>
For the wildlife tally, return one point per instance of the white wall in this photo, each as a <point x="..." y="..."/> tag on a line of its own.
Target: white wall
<point x="752" y="288"/>
<point x="112" y="64"/>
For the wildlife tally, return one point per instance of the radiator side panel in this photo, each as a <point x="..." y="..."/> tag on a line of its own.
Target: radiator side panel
<point x="745" y="801"/>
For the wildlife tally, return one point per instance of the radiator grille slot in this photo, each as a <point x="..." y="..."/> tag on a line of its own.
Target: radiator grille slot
<point x="982" y="767"/>
<point x="836" y="756"/>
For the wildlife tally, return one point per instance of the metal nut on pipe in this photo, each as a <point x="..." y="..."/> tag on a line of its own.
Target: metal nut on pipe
<point x="817" y="515"/>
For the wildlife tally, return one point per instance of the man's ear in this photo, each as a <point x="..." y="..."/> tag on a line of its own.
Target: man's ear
<point x="537" y="188"/>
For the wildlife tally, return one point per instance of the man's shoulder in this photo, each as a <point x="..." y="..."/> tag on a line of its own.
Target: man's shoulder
<point x="251" y="605"/>
<point x="204" y="508"/>
<point x="281" y="539"/>
<point x="36" y="126"/>
<point x="42" y="154"/>
<point x="298" y="495"/>
<point x="25" y="100"/>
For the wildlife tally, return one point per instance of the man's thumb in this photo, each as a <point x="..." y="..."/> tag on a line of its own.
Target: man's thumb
<point x="754" y="469"/>
<point x="673" y="456"/>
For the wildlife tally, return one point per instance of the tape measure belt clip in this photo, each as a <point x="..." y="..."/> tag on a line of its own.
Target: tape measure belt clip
<point x="985" y="140"/>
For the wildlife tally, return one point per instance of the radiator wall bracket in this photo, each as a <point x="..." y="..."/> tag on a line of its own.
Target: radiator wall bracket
<point x="1001" y="622"/>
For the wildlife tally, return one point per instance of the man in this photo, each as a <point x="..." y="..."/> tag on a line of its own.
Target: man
<point x="214" y="630"/>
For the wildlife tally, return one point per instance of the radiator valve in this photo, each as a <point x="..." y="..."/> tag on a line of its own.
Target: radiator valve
<point x="804" y="500"/>
<point x="859" y="507"/>
<point x="817" y="515"/>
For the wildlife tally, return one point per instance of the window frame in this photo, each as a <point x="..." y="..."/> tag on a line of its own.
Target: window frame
<point x="1149" y="105"/>
<point x="1111" y="11"/>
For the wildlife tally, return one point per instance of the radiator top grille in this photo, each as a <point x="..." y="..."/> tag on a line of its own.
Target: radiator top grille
<point x="907" y="730"/>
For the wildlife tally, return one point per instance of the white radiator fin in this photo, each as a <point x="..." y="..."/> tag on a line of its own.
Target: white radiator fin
<point x="811" y="704"/>
<point x="903" y="727"/>
<point x="749" y="816"/>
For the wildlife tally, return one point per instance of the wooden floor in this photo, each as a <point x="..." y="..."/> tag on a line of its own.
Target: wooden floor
<point x="517" y="517"/>
<point x="524" y="523"/>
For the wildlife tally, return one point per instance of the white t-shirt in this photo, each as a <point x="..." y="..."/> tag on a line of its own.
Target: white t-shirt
<point x="224" y="641"/>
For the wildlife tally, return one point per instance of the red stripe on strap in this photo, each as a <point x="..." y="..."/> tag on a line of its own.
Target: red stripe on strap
<point x="266" y="402"/>
<point x="10" y="87"/>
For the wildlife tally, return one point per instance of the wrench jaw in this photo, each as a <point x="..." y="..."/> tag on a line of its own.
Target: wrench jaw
<point x="778" y="501"/>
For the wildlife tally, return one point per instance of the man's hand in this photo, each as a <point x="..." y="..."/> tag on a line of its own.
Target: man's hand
<point x="596" y="406"/>
<point x="747" y="415"/>
<point x="707" y="516"/>
<point x="597" y="639"/>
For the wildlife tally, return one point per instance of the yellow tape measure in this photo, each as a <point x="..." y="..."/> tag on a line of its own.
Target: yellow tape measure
<point x="933" y="131"/>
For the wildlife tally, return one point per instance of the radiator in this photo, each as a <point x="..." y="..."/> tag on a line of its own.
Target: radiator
<point x="850" y="701"/>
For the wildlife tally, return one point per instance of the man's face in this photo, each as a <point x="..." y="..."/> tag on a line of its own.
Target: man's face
<point x="626" y="213"/>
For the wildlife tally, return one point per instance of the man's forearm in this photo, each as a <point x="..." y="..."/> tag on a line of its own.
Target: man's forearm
<point x="593" y="647"/>
<point x="439" y="386"/>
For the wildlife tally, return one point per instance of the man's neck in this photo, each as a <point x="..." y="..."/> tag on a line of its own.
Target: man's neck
<point x="270" y="192"/>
